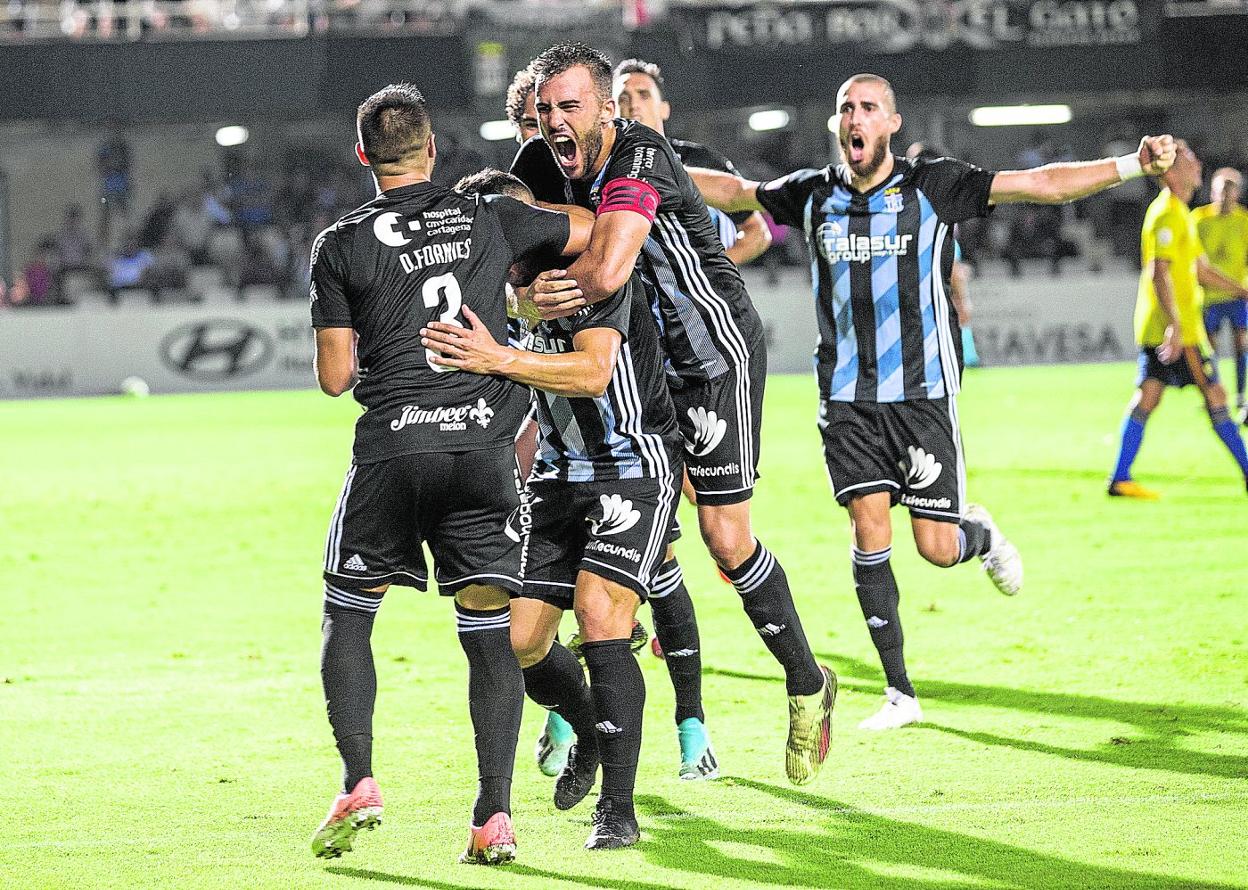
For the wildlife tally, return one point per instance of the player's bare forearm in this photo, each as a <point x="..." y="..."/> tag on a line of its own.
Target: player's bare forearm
<point x="724" y="191"/>
<point x="574" y="374"/>
<point x="335" y="362"/>
<point x="597" y="273"/>
<point x="1210" y="275"/>
<point x="1163" y="286"/>
<point x="1065" y="182"/>
<point x="753" y="240"/>
<point x="960" y="291"/>
<point x="580" y="226"/>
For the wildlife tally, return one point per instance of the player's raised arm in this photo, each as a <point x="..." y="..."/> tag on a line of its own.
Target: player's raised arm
<point x="725" y="191"/>
<point x="1064" y="182"/>
<point x="585" y="372"/>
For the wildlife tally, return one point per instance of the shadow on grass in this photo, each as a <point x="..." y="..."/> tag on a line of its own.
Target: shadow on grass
<point x="1161" y="726"/>
<point x="815" y="842"/>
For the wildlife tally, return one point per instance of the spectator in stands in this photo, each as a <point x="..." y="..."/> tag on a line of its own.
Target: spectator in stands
<point x="113" y="162"/>
<point x="192" y="224"/>
<point x="74" y="250"/>
<point x="40" y="276"/>
<point x="251" y="195"/>
<point x="158" y="221"/>
<point x="171" y="265"/>
<point x="128" y="265"/>
<point x="258" y="267"/>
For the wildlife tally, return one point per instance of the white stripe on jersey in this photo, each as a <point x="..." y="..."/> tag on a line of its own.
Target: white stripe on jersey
<point x="940" y="303"/>
<point x="628" y="396"/>
<point x="726" y="328"/>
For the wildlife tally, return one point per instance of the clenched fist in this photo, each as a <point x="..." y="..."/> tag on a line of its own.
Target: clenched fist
<point x="1156" y="154"/>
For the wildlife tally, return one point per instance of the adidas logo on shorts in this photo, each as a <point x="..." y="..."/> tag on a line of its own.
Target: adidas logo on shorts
<point x="355" y="564"/>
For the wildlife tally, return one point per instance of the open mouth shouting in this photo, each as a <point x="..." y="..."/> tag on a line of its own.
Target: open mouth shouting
<point x="856" y="149"/>
<point x="567" y="154"/>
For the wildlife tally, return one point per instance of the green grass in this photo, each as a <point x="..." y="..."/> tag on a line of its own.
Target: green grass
<point x="161" y="720"/>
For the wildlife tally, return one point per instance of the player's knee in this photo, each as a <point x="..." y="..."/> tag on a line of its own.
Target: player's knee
<point x="482" y="597"/>
<point x="728" y="539"/>
<point x="529" y="644"/>
<point x="939" y="550"/>
<point x="605" y="613"/>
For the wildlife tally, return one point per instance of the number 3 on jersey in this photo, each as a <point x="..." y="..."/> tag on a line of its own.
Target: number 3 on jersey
<point x="442" y="290"/>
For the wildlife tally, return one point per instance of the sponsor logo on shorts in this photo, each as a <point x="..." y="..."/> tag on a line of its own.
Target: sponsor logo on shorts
<point x="447" y="419"/>
<point x="355" y="564"/>
<point x="924" y="469"/>
<point x="721" y="470"/>
<point x="708" y="431"/>
<point x="909" y="500"/>
<point x="618" y="515"/>
<point x="521" y="518"/>
<point x="632" y="554"/>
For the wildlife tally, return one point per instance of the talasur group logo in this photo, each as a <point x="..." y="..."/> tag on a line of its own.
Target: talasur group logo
<point x="216" y="349"/>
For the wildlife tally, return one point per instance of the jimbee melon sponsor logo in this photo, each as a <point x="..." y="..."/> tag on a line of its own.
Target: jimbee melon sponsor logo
<point x="446" y="419"/>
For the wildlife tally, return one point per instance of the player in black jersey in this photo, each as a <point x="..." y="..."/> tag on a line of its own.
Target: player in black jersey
<point x="601" y="499"/>
<point x="433" y="460"/>
<point x="640" y="95"/>
<point x="650" y="216"/>
<point x="888" y="356"/>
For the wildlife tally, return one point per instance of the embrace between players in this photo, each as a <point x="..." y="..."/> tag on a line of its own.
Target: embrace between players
<point x="646" y="362"/>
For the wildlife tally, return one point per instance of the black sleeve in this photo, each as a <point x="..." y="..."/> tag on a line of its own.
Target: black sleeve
<point x="330" y="308"/>
<point x="785" y="198"/>
<point x="535" y="166"/>
<point x="958" y="191"/>
<point x="529" y="229"/>
<point x="609" y="313"/>
<point x="646" y="156"/>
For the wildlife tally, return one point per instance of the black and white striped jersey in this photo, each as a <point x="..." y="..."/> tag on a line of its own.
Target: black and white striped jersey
<point x="630" y="431"/>
<point x="706" y="320"/>
<point x="413" y="255"/>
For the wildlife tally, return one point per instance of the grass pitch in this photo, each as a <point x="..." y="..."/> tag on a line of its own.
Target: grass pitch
<point x="161" y="720"/>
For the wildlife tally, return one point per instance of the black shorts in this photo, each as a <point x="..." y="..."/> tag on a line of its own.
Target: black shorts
<point x="913" y="450"/>
<point x="464" y="505"/>
<point x="721" y="421"/>
<point x="1192" y="367"/>
<point x="615" y="529"/>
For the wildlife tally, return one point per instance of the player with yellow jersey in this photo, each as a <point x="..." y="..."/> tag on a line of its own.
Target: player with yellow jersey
<point x="1174" y="349"/>
<point x="1223" y="228"/>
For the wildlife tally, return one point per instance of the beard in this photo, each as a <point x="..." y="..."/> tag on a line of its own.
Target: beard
<point x="590" y="144"/>
<point x="869" y="164"/>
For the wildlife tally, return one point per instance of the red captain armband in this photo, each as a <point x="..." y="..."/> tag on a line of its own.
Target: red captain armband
<point x="636" y="195"/>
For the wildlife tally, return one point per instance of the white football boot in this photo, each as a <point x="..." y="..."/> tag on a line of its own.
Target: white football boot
<point x="899" y="710"/>
<point x="1002" y="562"/>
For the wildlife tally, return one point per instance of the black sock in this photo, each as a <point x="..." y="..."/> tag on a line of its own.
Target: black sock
<point x="676" y="626"/>
<point x="619" y="692"/>
<point x="764" y="590"/>
<point x="878" y="596"/>
<point x="495" y="700"/>
<point x="348" y="676"/>
<point x="973" y="540"/>
<point x="557" y="683"/>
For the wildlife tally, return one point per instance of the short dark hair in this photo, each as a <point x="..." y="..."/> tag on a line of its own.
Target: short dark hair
<point x="640" y="66"/>
<point x="564" y="56"/>
<point x="491" y="181"/>
<point x="393" y="124"/>
<point x="518" y="94"/>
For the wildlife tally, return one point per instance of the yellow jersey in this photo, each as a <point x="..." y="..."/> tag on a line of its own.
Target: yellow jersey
<point x="1225" y="239"/>
<point x="1170" y="234"/>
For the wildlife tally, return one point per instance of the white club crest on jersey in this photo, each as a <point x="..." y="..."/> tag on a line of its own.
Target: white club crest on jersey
<point x="708" y="431"/>
<point x="924" y="469"/>
<point x="482" y="413"/>
<point x="618" y="515"/>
